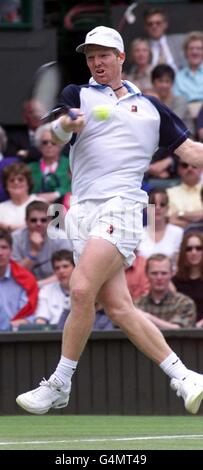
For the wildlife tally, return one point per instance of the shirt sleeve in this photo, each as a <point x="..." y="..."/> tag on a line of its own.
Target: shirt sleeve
<point x="70" y="96"/>
<point x="173" y="131"/>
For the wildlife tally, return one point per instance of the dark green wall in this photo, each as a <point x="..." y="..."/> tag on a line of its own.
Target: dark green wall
<point x="112" y="377"/>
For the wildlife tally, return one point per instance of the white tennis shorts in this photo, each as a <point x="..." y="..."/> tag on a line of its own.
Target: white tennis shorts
<point x="116" y="220"/>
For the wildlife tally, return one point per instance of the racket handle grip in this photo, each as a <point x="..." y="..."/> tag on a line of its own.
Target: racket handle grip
<point x="72" y="114"/>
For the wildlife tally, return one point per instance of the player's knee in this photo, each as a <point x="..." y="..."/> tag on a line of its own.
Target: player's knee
<point x="117" y="313"/>
<point x="81" y="294"/>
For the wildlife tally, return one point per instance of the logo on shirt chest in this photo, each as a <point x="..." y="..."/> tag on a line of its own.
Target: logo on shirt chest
<point x="133" y="108"/>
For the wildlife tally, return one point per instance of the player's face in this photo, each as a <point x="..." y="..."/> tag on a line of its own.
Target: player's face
<point x="104" y="64"/>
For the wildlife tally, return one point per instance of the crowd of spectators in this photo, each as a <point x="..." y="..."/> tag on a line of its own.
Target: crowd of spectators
<point x="36" y="259"/>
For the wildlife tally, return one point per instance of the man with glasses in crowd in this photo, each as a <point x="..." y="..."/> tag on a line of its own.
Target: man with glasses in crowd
<point x="33" y="248"/>
<point x="165" y="49"/>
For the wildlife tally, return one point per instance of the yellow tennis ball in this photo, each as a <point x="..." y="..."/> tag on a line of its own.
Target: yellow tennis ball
<point x="102" y="112"/>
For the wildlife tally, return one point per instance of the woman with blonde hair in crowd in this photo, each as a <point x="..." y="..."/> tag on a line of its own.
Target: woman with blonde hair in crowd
<point x="189" y="80"/>
<point x="189" y="275"/>
<point x="140" y="65"/>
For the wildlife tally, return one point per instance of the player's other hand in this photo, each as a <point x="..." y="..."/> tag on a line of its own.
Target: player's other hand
<point x="70" y="125"/>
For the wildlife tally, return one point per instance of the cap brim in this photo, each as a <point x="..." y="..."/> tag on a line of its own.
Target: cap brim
<point x="81" y="48"/>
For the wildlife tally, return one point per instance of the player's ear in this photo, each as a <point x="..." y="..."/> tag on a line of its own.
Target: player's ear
<point x="121" y="57"/>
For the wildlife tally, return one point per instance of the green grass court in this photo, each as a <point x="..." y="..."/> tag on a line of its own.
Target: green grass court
<point x="101" y="432"/>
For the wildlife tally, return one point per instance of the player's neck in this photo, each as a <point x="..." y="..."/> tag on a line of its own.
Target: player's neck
<point x="120" y="90"/>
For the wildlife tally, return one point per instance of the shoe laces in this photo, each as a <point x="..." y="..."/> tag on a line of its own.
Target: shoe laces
<point x="50" y="384"/>
<point x="40" y="390"/>
<point x="44" y="383"/>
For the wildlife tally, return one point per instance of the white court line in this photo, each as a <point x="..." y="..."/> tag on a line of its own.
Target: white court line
<point x="107" y="439"/>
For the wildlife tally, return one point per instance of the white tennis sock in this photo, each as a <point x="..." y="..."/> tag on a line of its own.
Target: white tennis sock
<point x="65" y="370"/>
<point x="174" y="367"/>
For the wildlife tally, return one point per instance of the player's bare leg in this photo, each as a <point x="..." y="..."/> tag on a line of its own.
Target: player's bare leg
<point x="116" y="301"/>
<point x="98" y="263"/>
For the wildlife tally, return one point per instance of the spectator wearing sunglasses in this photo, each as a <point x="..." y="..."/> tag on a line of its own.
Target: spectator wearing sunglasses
<point x="189" y="275"/>
<point x="161" y="237"/>
<point x="33" y="248"/>
<point x="185" y="198"/>
<point x="50" y="174"/>
<point x="165" y="48"/>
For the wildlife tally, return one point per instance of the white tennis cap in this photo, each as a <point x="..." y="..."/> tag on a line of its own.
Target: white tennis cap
<point x="103" y="36"/>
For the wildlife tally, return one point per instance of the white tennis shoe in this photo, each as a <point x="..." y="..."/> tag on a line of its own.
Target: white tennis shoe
<point x="50" y="394"/>
<point x="191" y="390"/>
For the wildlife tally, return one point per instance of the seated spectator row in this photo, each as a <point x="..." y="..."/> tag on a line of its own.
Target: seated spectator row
<point x="168" y="301"/>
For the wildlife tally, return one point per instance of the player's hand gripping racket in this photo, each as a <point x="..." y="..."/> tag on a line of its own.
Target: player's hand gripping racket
<point x="45" y="89"/>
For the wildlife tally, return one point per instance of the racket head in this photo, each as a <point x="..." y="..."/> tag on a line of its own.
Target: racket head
<point x="46" y="86"/>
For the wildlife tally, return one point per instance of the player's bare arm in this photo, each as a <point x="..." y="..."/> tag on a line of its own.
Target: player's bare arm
<point x="191" y="152"/>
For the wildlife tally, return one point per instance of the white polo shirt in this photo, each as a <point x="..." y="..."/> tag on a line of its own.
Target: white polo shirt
<point x="109" y="158"/>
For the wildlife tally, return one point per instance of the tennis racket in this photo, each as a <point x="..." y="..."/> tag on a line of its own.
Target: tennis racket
<point x="45" y="89"/>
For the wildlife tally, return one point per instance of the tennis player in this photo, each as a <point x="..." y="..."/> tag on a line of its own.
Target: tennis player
<point x="111" y="148"/>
